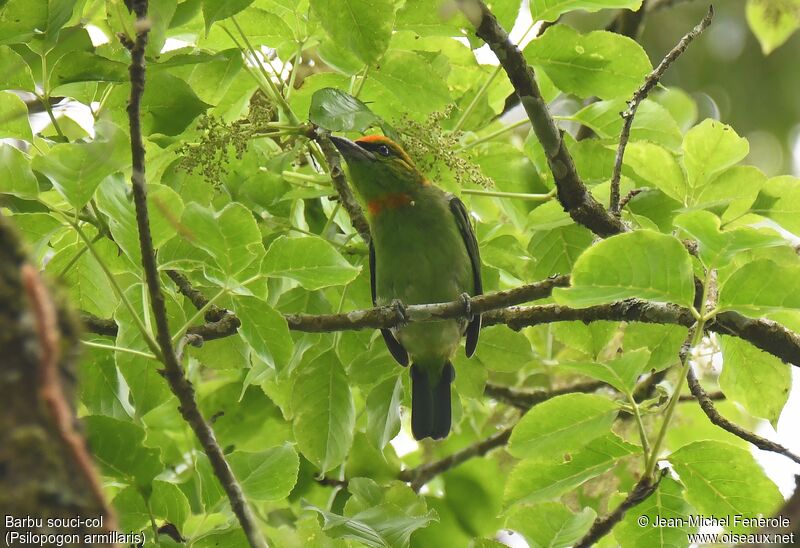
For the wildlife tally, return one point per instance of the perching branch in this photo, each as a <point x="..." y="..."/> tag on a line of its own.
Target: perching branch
<point x="639" y="96"/>
<point x="392" y="316"/>
<point x="602" y="526"/>
<point x="714" y="416"/>
<point x="173" y="372"/>
<point x="497" y="308"/>
<point x="421" y="475"/>
<point x="572" y="193"/>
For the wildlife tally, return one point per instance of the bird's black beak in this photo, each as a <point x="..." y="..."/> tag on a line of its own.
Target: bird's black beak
<point x="350" y="150"/>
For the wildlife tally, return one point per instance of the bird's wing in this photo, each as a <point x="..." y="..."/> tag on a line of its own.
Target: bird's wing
<point x="395" y="348"/>
<point x="471" y="243"/>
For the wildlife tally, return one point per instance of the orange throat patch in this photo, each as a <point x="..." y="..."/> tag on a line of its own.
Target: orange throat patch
<point x="389" y="201"/>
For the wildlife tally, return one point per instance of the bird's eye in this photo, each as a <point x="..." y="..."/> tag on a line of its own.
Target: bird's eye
<point x="383" y="150"/>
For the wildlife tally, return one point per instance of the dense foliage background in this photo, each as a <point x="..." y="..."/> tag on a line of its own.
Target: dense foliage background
<point x="555" y="421"/>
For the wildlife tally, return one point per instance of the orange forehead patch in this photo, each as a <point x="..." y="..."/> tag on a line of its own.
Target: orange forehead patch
<point x="382" y="139"/>
<point x="375" y="139"/>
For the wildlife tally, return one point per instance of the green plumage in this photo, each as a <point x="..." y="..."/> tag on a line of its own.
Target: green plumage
<point x="423" y="251"/>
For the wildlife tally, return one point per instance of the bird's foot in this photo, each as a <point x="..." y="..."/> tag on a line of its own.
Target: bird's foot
<point x="400" y="308"/>
<point x="467" y="300"/>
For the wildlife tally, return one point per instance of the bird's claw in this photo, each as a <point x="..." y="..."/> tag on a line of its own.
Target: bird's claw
<point x="398" y="305"/>
<point x="467" y="300"/>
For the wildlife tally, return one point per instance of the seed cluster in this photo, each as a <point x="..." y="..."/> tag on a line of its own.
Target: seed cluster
<point x="434" y="148"/>
<point x="211" y="154"/>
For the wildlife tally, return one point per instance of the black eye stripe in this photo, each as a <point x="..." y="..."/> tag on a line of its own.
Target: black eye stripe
<point x="381" y="148"/>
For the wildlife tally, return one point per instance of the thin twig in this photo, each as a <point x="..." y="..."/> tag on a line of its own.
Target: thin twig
<point x="714" y="416"/>
<point x="213" y="314"/>
<point x="639" y="96"/>
<point x="629" y="196"/>
<point x="174" y="374"/>
<point x="524" y="399"/>
<point x="602" y="526"/>
<point x="421" y="475"/>
<point x="572" y="193"/>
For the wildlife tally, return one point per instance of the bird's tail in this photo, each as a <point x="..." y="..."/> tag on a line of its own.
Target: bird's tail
<point x="430" y="402"/>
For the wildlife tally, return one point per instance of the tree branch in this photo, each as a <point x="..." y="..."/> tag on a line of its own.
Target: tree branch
<point x="497" y="308"/>
<point x="639" y="96"/>
<point x="714" y="416"/>
<point x="174" y="374"/>
<point x="572" y="193"/>
<point x="602" y="526"/>
<point x="524" y="399"/>
<point x="392" y="316"/>
<point x="421" y="475"/>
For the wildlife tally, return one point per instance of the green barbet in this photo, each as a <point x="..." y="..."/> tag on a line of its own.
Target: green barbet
<point x="423" y="250"/>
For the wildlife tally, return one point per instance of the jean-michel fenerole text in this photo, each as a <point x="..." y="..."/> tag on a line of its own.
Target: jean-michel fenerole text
<point x="726" y="522"/>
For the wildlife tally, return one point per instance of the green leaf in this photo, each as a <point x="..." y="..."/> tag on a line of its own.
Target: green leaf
<point x="736" y="187"/>
<point x="658" y="167"/>
<point x="99" y="384"/>
<point x="217" y="10"/>
<point x="265" y="330"/>
<point x="599" y="63"/>
<point x="16" y="176"/>
<point x="621" y="373"/>
<point x="709" y="148"/>
<point x="412" y="80"/>
<point x="266" y="476"/>
<point x="336" y="110"/>
<point x="261" y="28"/>
<point x="169" y="113"/>
<point x="131" y="509"/>
<point x="550" y="524"/>
<point x="786" y="209"/>
<point x="324" y="413"/>
<point x="147" y="388"/>
<point x="652" y="122"/>
<point x="724" y="480"/>
<point x="535" y="480"/>
<point x="14" y="71"/>
<point x="86" y="283"/>
<point x="361" y="26"/>
<point x="556" y="250"/>
<point x="165" y="206"/>
<point x="311" y="261"/>
<point x="666" y="503"/>
<point x="502" y="349"/>
<point x="76" y="169"/>
<point x="383" y="516"/>
<point x="14" y="117"/>
<point x="562" y="424"/>
<point x="549" y="10"/>
<point x="717" y="247"/>
<point x="231" y="236"/>
<point x="86" y="66"/>
<point x="168" y="502"/>
<point x="761" y="287"/>
<point x="773" y="21"/>
<point x="640" y="264"/>
<point x="20" y="20"/>
<point x="755" y="379"/>
<point x="118" y="447"/>
<point x="383" y="412"/>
